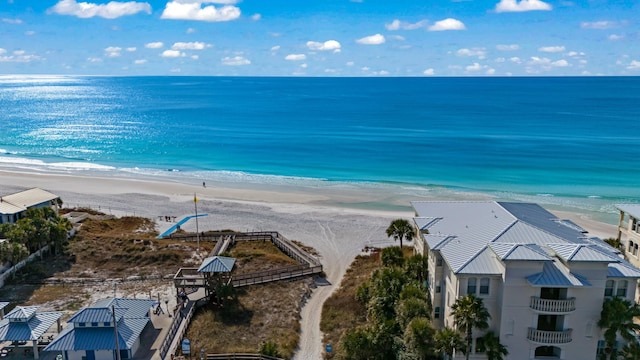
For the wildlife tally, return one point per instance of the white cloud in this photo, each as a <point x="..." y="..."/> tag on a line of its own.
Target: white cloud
<point x="552" y="49"/>
<point x="535" y="60"/>
<point x="172" y="54"/>
<point x="365" y="68"/>
<point x="275" y="48"/>
<point x="191" y="30"/>
<point x="197" y="45"/>
<point x="94" y="60"/>
<point x="511" y="47"/>
<point x="235" y="61"/>
<point x="111" y="10"/>
<point x="490" y="71"/>
<point x="429" y="72"/>
<point x="12" y="21"/>
<point x="330" y="71"/>
<point x="516" y="60"/>
<point x="304" y="66"/>
<point x="615" y="37"/>
<point x="154" y="45"/>
<point x="561" y="63"/>
<point x="324" y="46"/>
<point x="195" y="57"/>
<point x="382" y="72"/>
<point x="112" y="51"/>
<point x="295" y="57"/>
<point x="350" y="63"/>
<point x="177" y="10"/>
<point x="522" y="5"/>
<point x="474" y="67"/>
<point x="447" y="24"/>
<point x="479" y="52"/>
<point x="376" y="39"/>
<point x="256" y="17"/>
<point x="500" y="60"/>
<point x="397" y="37"/>
<point x="599" y="25"/>
<point x="403" y="25"/>
<point x="140" y="61"/>
<point x="634" y="65"/>
<point x="18" y="56"/>
<point x="575" y="53"/>
<point x="29" y="32"/>
<point x="131" y="49"/>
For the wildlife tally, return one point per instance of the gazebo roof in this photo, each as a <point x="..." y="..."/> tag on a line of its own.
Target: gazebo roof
<point x="216" y="264"/>
<point x="24" y="324"/>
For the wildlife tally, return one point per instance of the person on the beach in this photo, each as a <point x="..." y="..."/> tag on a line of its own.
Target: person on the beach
<point x="204" y="185"/>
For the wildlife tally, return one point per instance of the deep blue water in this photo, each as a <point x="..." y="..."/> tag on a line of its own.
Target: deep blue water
<point x="575" y="139"/>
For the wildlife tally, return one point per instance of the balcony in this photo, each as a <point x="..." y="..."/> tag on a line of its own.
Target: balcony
<point x="551" y="306"/>
<point x="549" y="337"/>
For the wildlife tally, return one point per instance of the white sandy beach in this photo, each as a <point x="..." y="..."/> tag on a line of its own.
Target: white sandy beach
<point x="337" y="233"/>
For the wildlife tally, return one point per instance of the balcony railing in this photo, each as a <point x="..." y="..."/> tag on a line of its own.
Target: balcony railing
<point x="553" y="306"/>
<point x="549" y="337"/>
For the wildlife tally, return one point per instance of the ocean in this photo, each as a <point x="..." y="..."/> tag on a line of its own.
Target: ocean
<point x="569" y="143"/>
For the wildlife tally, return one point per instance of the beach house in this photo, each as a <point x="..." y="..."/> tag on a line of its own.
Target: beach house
<point x="90" y="334"/>
<point x="542" y="279"/>
<point x="13" y="206"/>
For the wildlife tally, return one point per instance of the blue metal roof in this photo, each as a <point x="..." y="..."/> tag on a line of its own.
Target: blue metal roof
<point x="527" y="252"/>
<point x="580" y="252"/>
<point x="132" y="315"/>
<point x="217" y="264"/>
<point x="98" y="338"/>
<point x="555" y="274"/>
<point x="31" y="329"/>
<point x="21" y="313"/>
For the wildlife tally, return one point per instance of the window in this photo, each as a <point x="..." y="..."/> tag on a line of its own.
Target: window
<point x="436" y="312"/>
<point x="94" y="324"/>
<point x="82" y="324"/>
<point x="438" y="261"/>
<point x="630" y="246"/>
<point x="107" y="324"/>
<point x="608" y="289"/>
<point x="471" y="285"/>
<point x="484" y="286"/>
<point x="622" y="288"/>
<point x="480" y="345"/>
<point x="635" y="249"/>
<point x="438" y="289"/>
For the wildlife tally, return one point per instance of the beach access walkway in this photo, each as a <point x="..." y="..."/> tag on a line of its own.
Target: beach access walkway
<point x="194" y="282"/>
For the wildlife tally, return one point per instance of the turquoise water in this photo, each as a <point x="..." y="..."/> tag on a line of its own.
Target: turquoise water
<point x="567" y="142"/>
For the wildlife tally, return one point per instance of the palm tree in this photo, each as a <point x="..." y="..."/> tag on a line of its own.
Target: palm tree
<point x="492" y="347"/>
<point x="401" y="229"/>
<point x="617" y="318"/>
<point x="631" y="351"/>
<point x="469" y="313"/>
<point x="447" y="341"/>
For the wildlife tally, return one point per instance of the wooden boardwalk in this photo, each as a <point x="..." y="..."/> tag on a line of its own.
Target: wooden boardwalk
<point x="192" y="281"/>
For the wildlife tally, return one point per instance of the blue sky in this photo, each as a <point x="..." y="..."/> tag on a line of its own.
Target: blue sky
<point x="321" y="37"/>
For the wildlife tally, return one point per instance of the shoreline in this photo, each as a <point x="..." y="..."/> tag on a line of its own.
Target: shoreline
<point x="83" y="190"/>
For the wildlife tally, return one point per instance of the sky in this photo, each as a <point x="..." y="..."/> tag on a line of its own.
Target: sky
<point x="321" y="37"/>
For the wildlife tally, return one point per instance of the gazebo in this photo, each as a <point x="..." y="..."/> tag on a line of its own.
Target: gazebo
<point x="216" y="271"/>
<point x="24" y="323"/>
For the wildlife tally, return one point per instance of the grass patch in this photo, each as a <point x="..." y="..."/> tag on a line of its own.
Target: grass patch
<point x="268" y="312"/>
<point x="253" y="256"/>
<point x="342" y="311"/>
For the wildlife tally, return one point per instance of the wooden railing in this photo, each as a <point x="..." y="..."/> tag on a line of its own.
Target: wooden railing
<point x="549" y="337"/>
<point x="268" y="276"/>
<point x="553" y="306"/>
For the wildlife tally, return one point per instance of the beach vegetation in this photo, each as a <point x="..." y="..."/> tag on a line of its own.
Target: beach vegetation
<point x="470" y="313"/>
<point x="381" y="310"/>
<point x="617" y="319"/>
<point x="491" y="346"/>
<point x="447" y="341"/>
<point x="401" y="229"/>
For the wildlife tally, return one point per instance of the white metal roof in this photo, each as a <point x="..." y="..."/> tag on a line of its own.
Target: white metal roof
<point x="631" y="209"/>
<point x="555" y="274"/>
<point x="18" y="202"/>
<point x="465" y="229"/>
